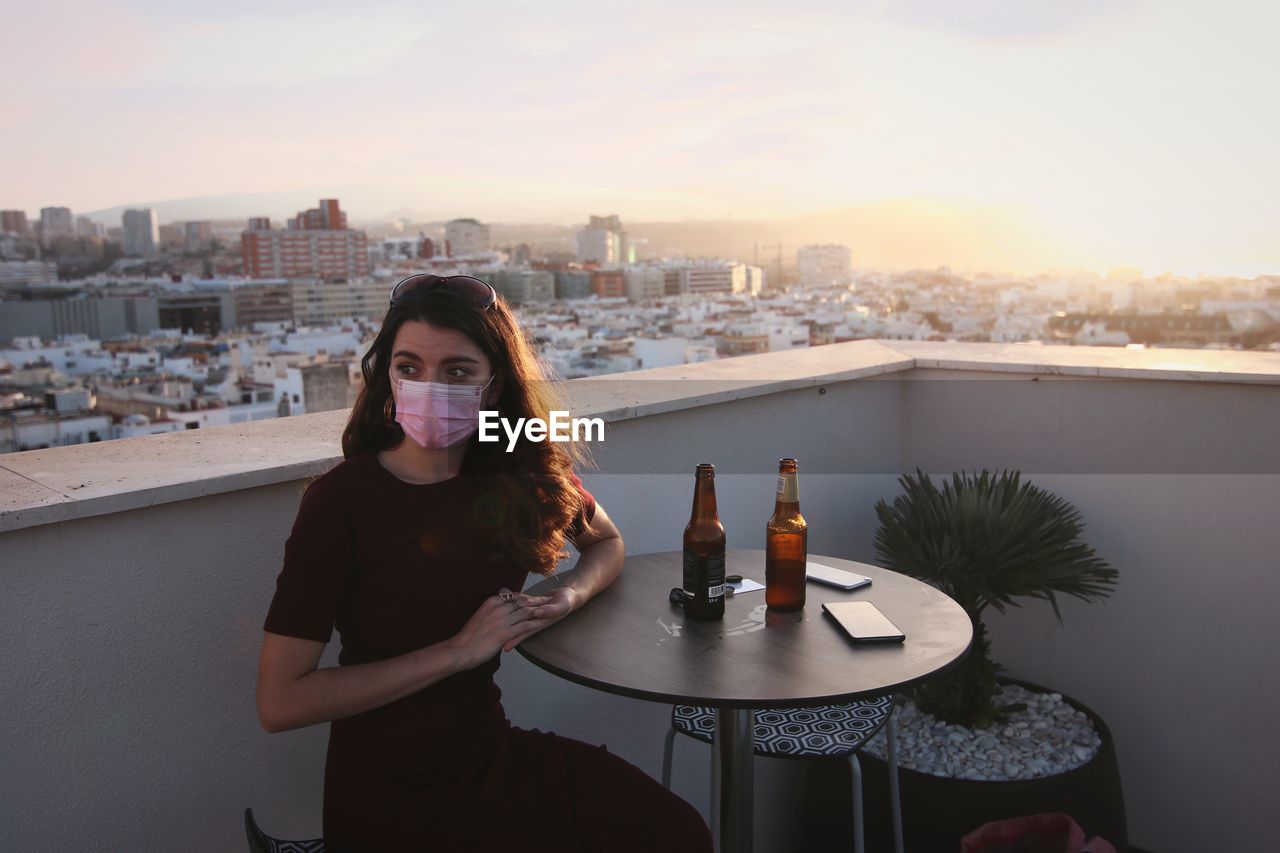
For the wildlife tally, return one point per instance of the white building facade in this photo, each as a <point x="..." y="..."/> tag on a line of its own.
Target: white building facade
<point x="599" y="246"/>
<point x="644" y="283"/>
<point x="718" y="277"/>
<point x="823" y="266"/>
<point x="466" y="237"/>
<point x="56" y="222"/>
<point x="141" y="235"/>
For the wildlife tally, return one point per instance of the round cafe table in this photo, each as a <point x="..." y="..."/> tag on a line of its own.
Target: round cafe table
<point x="631" y="640"/>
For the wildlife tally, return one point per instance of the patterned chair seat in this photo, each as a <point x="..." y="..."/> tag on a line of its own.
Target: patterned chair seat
<point x="276" y="845"/>
<point x="797" y="732"/>
<point x="260" y="842"/>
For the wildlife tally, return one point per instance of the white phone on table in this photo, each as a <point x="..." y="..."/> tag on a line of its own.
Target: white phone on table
<point x="834" y="577"/>
<point x="863" y="622"/>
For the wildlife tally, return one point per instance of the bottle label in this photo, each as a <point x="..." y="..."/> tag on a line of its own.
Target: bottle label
<point x="708" y="570"/>
<point x="788" y="490"/>
<point x="715" y="577"/>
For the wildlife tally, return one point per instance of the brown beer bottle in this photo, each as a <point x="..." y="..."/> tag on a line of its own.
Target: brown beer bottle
<point x="704" y="551"/>
<point x="786" y="546"/>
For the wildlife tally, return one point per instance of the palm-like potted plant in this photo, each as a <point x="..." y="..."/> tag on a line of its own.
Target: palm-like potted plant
<point x="986" y="541"/>
<point x="989" y="541"/>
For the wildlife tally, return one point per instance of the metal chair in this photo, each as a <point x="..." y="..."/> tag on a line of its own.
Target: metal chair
<point x="260" y="842"/>
<point x="824" y="732"/>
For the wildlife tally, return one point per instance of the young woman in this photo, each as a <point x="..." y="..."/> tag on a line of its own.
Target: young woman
<point x="416" y="547"/>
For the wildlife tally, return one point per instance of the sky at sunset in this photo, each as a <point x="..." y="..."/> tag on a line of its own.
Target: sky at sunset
<point x="1129" y="132"/>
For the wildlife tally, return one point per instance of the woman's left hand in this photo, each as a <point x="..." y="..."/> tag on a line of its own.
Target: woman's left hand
<point x="547" y="610"/>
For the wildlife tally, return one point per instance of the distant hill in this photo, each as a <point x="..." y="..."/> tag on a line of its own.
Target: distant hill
<point x="888" y="235"/>
<point x="279" y="205"/>
<point x="897" y="234"/>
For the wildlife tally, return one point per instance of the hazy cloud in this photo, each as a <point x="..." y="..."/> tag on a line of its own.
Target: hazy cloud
<point x="1001" y="18"/>
<point x="1130" y="127"/>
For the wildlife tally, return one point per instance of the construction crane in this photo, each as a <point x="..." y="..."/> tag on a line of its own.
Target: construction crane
<point x="778" y="247"/>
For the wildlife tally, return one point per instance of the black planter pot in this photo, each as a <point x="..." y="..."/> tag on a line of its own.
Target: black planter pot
<point x="938" y="811"/>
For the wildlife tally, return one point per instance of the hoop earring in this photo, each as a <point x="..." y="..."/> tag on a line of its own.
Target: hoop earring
<point x="389" y="412"/>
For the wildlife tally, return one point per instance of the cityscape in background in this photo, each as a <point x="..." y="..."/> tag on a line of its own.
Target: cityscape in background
<point x="118" y="331"/>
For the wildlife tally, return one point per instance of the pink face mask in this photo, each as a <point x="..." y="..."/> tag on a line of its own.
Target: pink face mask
<point x="437" y="415"/>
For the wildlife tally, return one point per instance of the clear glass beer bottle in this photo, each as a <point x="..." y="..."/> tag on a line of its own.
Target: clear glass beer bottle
<point x="704" y="545"/>
<point x="786" y="543"/>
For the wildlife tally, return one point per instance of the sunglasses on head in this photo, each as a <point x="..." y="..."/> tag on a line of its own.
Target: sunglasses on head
<point x="476" y="291"/>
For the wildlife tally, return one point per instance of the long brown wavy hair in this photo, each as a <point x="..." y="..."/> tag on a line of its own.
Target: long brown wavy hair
<point x="527" y="499"/>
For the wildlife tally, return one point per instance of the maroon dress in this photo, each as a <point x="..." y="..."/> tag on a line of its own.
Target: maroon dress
<point x="396" y="567"/>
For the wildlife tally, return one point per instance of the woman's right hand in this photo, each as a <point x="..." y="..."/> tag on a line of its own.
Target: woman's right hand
<point x="491" y="626"/>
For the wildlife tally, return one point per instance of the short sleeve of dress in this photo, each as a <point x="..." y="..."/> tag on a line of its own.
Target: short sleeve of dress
<point x="588" y="509"/>
<point x="317" y="565"/>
